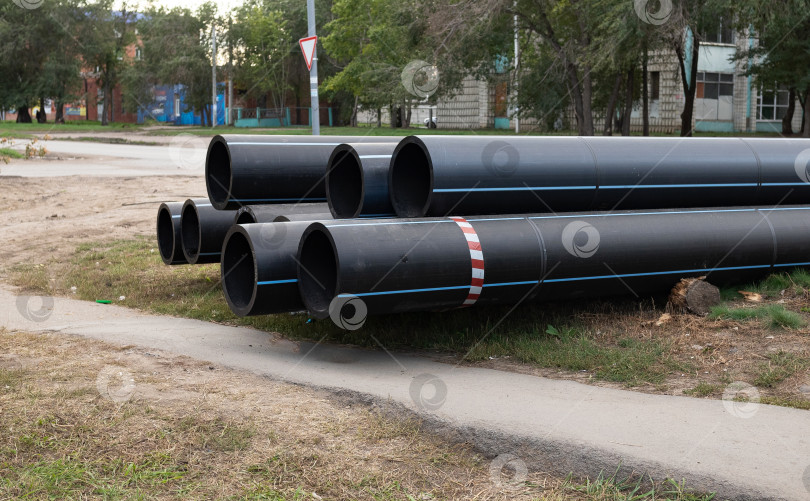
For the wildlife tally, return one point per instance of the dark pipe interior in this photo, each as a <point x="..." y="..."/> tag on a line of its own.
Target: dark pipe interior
<point x="238" y="270"/>
<point x="410" y="181"/>
<point x="245" y="217"/>
<point x="190" y="229"/>
<point x="165" y="234"/>
<point x="317" y="274"/>
<point x="218" y="173"/>
<point x="345" y="185"/>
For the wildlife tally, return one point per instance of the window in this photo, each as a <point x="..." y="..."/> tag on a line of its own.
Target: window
<point x="655" y="85"/>
<point x="714" y="96"/>
<point x="721" y="33"/>
<point x="772" y="105"/>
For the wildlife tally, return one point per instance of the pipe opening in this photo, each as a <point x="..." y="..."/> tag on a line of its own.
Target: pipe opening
<point x="410" y="180"/>
<point x="165" y="234"/>
<point x="317" y="271"/>
<point x="238" y="272"/>
<point x="218" y="172"/>
<point x="190" y="230"/>
<point x="245" y="217"/>
<point x="344" y="185"/>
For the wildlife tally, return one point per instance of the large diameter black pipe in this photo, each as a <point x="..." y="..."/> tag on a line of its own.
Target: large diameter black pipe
<point x="357" y="180"/>
<point x="245" y="169"/>
<point x="259" y="269"/>
<point x="168" y="233"/>
<point x="443" y="175"/>
<point x="268" y="213"/>
<point x="203" y="230"/>
<point x="399" y="266"/>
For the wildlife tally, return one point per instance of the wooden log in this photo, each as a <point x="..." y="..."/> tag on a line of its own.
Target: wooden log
<point x="693" y="295"/>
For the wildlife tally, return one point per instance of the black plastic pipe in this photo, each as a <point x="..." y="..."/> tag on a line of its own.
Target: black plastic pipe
<point x="203" y="230"/>
<point x="268" y="213"/>
<point x="323" y="216"/>
<point x="259" y="269"/>
<point x="357" y="180"/>
<point x="398" y="266"/>
<point x="168" y="233"/>
<point x="246" y="169"/>
<point x="443" y="175"/>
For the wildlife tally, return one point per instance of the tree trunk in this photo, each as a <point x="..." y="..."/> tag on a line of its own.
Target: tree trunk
<point x="104" y="105"/>
<point x="392" y="119"/>
<point x="406" y="120"/>
<point x="42" y="117"/>
<point x="628" y="102"/>
<point x="23" y="115"/>
<point x="576" y="96"/>
<point x="693" y="295"/>
<point x="689" y="87"/>
<point x="805" y="125"/>
<point x="354" y="112"/>
<point x="787" y="121"/>
<point x="110" y="93"/>
<point x="610" y="115"/>
<point x="645" y="94"/>
<point x="587" y="104"/>
<point x="379" y="117"/>
<point x="60" y="112"/>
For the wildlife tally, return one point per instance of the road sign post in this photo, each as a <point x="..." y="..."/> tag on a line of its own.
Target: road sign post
<point x="312" y="64"/>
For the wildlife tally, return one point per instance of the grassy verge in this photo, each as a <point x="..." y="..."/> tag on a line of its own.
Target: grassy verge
<point x="184" y="431"/>
<point x="8" y="153"/>
<point x="8" y="128"/>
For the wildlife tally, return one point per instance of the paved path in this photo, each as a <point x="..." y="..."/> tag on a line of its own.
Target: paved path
<point x="740" y="450"/>
<point x="183" y="156"/>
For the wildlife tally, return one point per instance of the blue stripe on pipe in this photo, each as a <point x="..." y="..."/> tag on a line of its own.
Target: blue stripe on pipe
<point x="514" y="188"/>
<point x="710" y="185"/>
<point x="208" y="253"/>
<point x="273" y="282"/>
<point x="573" y="279"/>
<point x="784" y="184"/>
<point x="202" y="205"/>
<point x="375" y="156"/>
<point x="178" y="215"/>
<point x="276" y="200"/>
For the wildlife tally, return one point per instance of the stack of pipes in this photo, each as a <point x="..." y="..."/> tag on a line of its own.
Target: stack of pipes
<point x="440" y="222"/>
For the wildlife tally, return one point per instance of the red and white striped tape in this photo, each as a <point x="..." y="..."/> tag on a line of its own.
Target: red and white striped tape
<point x="476" y="257"/>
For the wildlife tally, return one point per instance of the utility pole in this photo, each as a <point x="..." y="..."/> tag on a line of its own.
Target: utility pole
<point x="229" y="120"/>
<point x="313" y="73"/>
<point x="517" y="48"/>
<point x="213" y="74"/>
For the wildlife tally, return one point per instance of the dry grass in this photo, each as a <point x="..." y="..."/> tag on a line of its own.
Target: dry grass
<point x="169" y="427"/>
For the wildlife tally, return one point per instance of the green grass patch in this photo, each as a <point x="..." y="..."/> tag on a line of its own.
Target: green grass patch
<point x="10" y="153"/>
<point x="703" y="389"/>
<point x="614" y="488"/>
<point x="780" y="366"/>
<point x="796" y="403"/>
<point x="776" y="314"/>
<point x="11" y="129"/>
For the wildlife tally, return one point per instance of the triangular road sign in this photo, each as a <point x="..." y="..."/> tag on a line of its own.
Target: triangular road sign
<point x="308" y="48"/>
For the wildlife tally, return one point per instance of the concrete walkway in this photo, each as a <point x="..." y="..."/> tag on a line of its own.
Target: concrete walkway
<point x="739" y="450"/>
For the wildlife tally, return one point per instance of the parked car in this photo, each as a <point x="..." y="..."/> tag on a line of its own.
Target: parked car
<point x="430" y="124"/>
